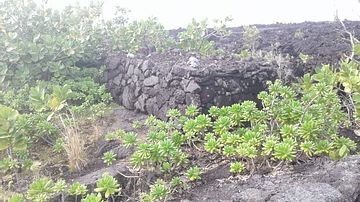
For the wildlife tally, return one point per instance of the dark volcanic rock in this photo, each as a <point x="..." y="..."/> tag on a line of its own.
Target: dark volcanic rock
<point x="322" y="180"/>
<point x="210" y="84"/>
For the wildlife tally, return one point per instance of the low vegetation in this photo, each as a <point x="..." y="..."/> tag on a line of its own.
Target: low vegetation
<point x="51" y="80"/>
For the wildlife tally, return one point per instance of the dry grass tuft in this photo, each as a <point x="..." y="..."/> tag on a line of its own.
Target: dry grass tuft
<point x="74" y="145"/>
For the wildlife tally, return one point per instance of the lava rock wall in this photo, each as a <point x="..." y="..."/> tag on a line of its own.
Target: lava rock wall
<point x="156" y="83"/>
<point x="155" y="87"/>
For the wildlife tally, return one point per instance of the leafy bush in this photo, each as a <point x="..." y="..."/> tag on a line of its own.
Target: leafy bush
<point x="16" y="198"/>
<point x="244" y="54"/>
<point x="109" y="157"/>
<point x="158" y="192"/>
<point x="348" y="76"/>
<point x="195" y="37"/>
<point x="139" y="35"/>
<point x="193" y="173"/>
<point x="40" y="190"/>
<point x="11" y="135"/>
<point x="41" y="43"/>
<point x="65" y="121"/>
<point x="107" y="184"/>
<point x="149" y="35"/>
<point x="251" y="38"/>
<point x="304" y="57"/>
<point x="92" y="198"/>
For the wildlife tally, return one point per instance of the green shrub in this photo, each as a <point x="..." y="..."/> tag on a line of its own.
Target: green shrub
<point x="92" y="198"/>
<point x="41" y="190"/>
<point x="139" y="35"/>
<point x="195" y="37"/>
<point x="109" y="157"/>
<point x="16" y="198"/>
<point x="44" y="43"/>
<point x="158" y="192"/>
<point x="304" y="57"/>
<point x="193" y="173"/>
<point x="107" y="184"/>
<point x="251" y="38"/>
<point x="11" y="135"/>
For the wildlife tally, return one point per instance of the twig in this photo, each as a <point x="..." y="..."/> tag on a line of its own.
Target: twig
<point x="127" y="176"/>
<point x="307" y="107"/>
<point x="278" y="165"/>
<point x="196" y="146"/>
<point x="352" y="39"/>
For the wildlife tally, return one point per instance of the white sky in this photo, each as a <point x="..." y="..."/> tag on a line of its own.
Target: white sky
<point x="178" y="13"/>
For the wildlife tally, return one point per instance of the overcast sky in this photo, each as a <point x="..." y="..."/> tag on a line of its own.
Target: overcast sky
<point x="178" y="13"/>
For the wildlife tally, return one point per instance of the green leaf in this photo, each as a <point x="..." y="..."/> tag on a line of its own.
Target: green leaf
<point x="2" y="78"/>
<point x="7" y="114"/>
<point x="4" y="144"/>
<point x="333" y="155"/>
<point x="108" y="184"/>
<point x="34" y="57"/>
<point x="307" y="81"/>
<point x="59" y="39"/>
<point x="37" y="94"/>
<point x="55" y="104"/>
<point x="317" y="70"/>
<point x="4" y="68"/>
<point x="356" y="97"/>
<point x="70" y="52"/>
<point x="14" y="58"/>
<point x="4" y="132"/>
<point x="40" y="186"/>
<point x="303" y="57"/>
<point x="347" y="87"/>
<point x="343" y="151"/>
<point x="50" y="116"/>
<point x="12" y="35"/>
<point x="62" y="93"/>
<point x="357" y="49"/>
<point x="56" y="74"/>
<point x="20" y="145"/>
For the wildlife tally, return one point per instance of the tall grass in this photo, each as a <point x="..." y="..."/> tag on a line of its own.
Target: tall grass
<point x="74" y="143"/>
